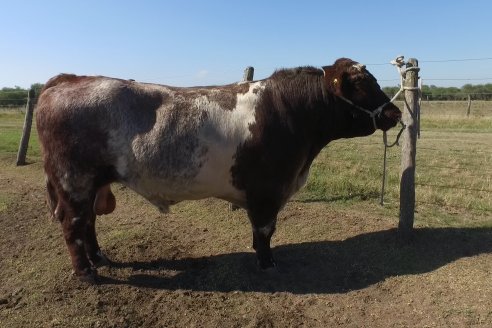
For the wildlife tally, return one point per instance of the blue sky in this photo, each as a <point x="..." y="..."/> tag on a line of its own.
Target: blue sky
<point x="186" y="42"/>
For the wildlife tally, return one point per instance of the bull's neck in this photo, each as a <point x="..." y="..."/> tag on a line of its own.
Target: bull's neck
<point x="290" y="125"/>
<point x="311" y="110"/>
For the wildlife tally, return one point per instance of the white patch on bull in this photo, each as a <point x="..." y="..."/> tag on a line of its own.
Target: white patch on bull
<point x="119" y="146"/>
<point x="75" y="219"/>
<point x="77" y="185"/>
<point x="79" y="242"/>
<point x="101" y="91"/>
<point x="222" y="133"/>
<point x="188" y="149"/>
<point x="64" y="181"/>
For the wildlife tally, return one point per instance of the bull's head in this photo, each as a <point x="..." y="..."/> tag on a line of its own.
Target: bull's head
<point x="371" y="108"/>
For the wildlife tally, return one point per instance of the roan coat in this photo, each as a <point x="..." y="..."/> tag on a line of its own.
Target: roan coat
<point x="250" y="143"/>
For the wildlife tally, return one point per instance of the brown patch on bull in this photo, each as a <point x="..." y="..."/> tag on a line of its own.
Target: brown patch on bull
<point x="225" y="96"/>
<point x="105" y="202"/>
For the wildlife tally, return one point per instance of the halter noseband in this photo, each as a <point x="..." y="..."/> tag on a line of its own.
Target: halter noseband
<point x="372" y="114"/>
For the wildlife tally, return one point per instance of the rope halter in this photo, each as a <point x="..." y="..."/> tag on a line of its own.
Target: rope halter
<point x="399" y="63"/>
<point x="372" y="114"/>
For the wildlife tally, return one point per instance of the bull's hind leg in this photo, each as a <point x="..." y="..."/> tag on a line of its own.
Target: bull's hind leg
<point x="71" y="200"/>
<point x="75" y="218"/>
<point x="104" y="203"/>
<point x="93" y="251"/>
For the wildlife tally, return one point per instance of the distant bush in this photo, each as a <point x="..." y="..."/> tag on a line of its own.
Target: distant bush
<point x="13" y="97"/>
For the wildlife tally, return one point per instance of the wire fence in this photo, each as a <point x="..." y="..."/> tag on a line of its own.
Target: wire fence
<point x="17" y="99"/>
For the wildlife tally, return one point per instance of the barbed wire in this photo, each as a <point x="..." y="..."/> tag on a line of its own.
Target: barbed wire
<point x="459" y="79"/>
<point x="438" y="61"/>
<point x="442" y="79"/>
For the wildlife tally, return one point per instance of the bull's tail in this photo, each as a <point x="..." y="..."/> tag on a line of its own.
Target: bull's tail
<point x="52" y="199"/>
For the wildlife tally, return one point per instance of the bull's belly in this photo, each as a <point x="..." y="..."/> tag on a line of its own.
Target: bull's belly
<point x="163" y="192"/>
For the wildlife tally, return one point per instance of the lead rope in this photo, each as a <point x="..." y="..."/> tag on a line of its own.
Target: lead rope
<point x="386" y="146"/>
<point x="399" y="63"/>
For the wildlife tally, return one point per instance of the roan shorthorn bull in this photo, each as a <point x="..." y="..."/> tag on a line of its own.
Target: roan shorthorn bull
<point x="249" y="143"/>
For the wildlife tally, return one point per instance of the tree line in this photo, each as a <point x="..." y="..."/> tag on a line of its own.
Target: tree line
<point x="17" y="96"/>
<point x="432" y="92"/>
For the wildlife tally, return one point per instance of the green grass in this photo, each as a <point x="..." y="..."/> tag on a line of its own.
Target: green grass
<point x="4" y="201"/>
<point x="453" y="174"/>
<point x="11" y="124"/>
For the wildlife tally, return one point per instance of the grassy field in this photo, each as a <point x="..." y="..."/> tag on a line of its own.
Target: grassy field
<point x="340" y="263"/>
<point x="453" y="177"/>
<point x="11" y="122"/>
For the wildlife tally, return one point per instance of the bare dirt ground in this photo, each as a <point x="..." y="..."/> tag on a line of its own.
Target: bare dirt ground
<point x="195" y="267"/>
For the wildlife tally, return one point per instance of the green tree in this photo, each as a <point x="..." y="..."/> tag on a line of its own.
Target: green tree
<point x="37" y="88"/>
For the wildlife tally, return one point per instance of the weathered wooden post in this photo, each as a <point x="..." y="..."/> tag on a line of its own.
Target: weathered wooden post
<point x="409" y="149"/>
<point x="26" y="131"/>
<point x="248" y="73"/>
<point x="468" y="108"/>
<point x="248" y="76"/>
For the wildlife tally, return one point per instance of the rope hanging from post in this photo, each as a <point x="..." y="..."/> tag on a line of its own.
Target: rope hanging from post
<point x="399" y="62"/>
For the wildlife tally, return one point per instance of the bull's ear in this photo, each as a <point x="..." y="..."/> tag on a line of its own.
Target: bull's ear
<point x="333" y="79"/>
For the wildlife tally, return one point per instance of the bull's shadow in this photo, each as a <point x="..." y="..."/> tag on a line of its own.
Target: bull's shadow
<point x="315" y="267"/>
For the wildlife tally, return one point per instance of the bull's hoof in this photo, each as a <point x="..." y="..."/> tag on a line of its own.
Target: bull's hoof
<point x="88" y="276"/>
<point x="269" y="272"/>
<point x="266" y="264"/>
<point x="100" y="260"/>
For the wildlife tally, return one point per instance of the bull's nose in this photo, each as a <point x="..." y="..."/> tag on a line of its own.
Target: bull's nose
<point x="393" y="113"/>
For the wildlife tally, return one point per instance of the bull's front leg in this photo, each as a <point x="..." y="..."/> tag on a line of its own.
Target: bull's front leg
<point x="261" y="244"/>
<point x="263" y="219"/>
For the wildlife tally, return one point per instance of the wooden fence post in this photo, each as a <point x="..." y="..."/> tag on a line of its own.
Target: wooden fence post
<point x="468" y="108"/>
<point x="409" y="149"/>
<point x="248" y="73"/>
<point x="26" y="131"/>
<point x="248" y="76"/>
